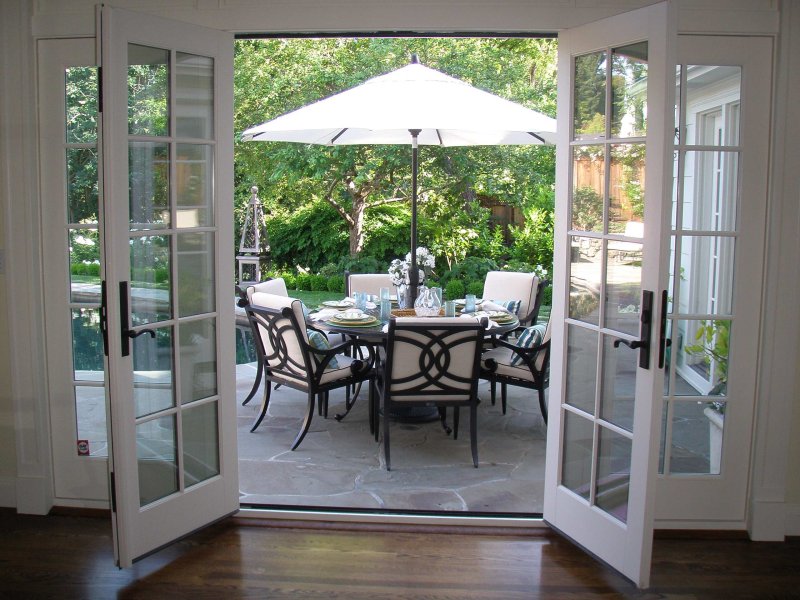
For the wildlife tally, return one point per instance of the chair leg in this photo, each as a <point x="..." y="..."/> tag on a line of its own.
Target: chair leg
<point x="325" y="405"/>
<point x="256" y="383"/>
<point x="264" y="406"/>
<point x="443" y="419"/>
<point x="386" y="437"/>
<point x="455" y="422"/>
<point x="493" y="389"/>
<point x="306" y="421"/>
<point x="543" y="405"/>
<point x="319" y="404"/>
<point x="473" y="432"/>
<point x="503" y="389"/>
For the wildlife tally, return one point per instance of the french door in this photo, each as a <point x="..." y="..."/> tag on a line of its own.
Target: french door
<point x="615" y="123"/>
<point x="167" y="155"/>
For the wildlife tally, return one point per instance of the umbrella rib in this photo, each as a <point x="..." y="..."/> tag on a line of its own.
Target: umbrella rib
<point x="538" y="137"/>
<point x="439" y="135"/>
<point x="338" y="135"/>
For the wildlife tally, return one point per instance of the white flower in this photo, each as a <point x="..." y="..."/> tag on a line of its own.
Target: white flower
<point x="399" y="269"/>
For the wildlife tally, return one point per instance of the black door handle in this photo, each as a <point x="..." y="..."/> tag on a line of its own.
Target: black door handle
<point x="134" y="334"/>
<point x="127" y="333"/>
<point x="645" y="331"/>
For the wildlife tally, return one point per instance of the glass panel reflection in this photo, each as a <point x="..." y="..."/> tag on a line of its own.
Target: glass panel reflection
<point x="148" y="90"/>
<point x="82" y="203"/>
<point x="713" y="96"/>
<point x="81" y="105"/>
<point x="706" y="268"/>
<point x="152" y="372"/>
<point x="150" y="279"/>
<point x="629" y="91"/>
<point x="148" y="185"/>
<point x="87" y="345"/>
<point x="198" y="360"/>
<point x="701" y="367"/>
<point x="588" y="188"/>
<point x="710" y="190"/>
<point x="613" y="474"/>
<point x="90" y="412"/>
<point x="589" y="118"/>
<point x="584" y="279"/>
<point x="618" y="389"/>
<point x="581" y="383"/>
<point x="194" y="185"/>
<point x="156" y="444"/>
<point x="200" y="443"/>
<point x="626" y="190"/>
<point x="196" y="284"/>
<point x="696" y="444"/>
<point x="84" y="265"/>
<point x="576" y="472"/>
<point x="194" y="96"/>
<point x="623" y="286"/>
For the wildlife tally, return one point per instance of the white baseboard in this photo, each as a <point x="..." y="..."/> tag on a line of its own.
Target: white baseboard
<point x="793" y="519"/>
<point x="8" y="492"/>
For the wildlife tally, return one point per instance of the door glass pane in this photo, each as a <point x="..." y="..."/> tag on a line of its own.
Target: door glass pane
<point x="576" y="472"/>
<point x="629" y="91"/>
<point x="194" y="96"/>
<point x="613" y="474"/>
<point x="198" y="360"/>
<point x="589" y="119"/>
<point x="618" y="383"/>
<point x="84" y="265"/>
<point x="702" y="357"/>
<point x="200" y="443"/>
<point x="584" y="279"/>
<point x="81" y="105"/>
<point x="696" y="444"/>
<point x="626" y="190"/>
<point x="148" y="90"/>
<point x="712" y="105"/>
<point x="152" y="372"/>
<point x="149" y="185"/>
<point x="707" y="265"/>
<point x="194" y="185"/>
<point x="82" y="185"/>
<point x="150" y="279"/>
<point x="710" y="190"/>
<point x="623" y="286"/>
<point x="156" y="455"/>
<point x="588" y="188"/>
<point x="87" y="345"/>
<point x="90" y="411"/>
<point x="196" y="260"/>
<point x="581" y="368"/>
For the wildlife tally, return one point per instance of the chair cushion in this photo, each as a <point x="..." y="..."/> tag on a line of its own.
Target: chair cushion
<point x="318" y="340"/>
<point x="503" y="357"/>
<point x="512" y="285"/>
<point x="511" y="306"/>
<point x="343" y="363"/>
<point x="530" y="338"/>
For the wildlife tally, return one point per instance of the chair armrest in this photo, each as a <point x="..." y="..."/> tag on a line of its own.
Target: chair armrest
<point x="528" y="355"/>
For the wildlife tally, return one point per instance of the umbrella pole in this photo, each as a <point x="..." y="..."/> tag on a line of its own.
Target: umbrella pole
<point x="414" y="272"/>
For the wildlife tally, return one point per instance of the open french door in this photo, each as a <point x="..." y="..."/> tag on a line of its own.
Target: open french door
<point x="615" y="118"/>
<point x="167" y="113"/>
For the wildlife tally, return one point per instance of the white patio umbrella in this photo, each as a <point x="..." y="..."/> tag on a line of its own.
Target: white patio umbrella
<point x="414" y="104"/>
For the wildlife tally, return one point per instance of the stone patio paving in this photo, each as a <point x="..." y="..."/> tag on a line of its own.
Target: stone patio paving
<point x="339" y="465"/>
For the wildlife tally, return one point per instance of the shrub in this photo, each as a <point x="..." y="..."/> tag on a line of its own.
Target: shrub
<point x="162" y="275"/>
<point x="319" y="283"/>
<point x="304" y="282"/>
<point x="290" y="279"/>
<point x="475" y="287"/>
<point x="361" y="264"/>
<point x="471" y="268"/>
<point x="454" y="290"/>
<point x="331" y="269"/>
<point x="336" y="284"/>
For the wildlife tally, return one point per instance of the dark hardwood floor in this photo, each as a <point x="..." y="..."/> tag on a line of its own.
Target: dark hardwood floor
<point x="71" y="557"/>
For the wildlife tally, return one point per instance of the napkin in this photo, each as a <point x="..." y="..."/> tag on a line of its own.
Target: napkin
<point x="369" y="304"/>
<point x="489" y="305"/>
<point x="471" y="316"/>
<point x="322" y="315"/>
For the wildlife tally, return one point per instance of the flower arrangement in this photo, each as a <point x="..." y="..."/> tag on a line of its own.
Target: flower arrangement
<point x="399" y="269"/>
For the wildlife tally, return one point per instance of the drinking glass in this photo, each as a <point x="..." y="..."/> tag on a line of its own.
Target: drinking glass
<point x="361" y="300"/>
<point x="450" y="308"/>
<point x="384" y="293"/>
<point x="470" y="303"/>
<point x="386" y="309"/>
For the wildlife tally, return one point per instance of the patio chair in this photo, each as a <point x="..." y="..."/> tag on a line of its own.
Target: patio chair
<point x="269" y="286"/>
<point x="432" y="362"/>
<point x="525" y="288"/>
<point x="525" y="363"/>
<point x="293" y="359"/>
<point x="371" y="283"/>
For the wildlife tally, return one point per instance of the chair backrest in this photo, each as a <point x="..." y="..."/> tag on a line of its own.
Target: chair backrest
<point x="509" y="285"/>
<point x="433" y="358"/>
<point x="270" y="286"/>
<point x="371" y="283"/>
<point x="281" y="336"/>
<point x="544" y="355"/>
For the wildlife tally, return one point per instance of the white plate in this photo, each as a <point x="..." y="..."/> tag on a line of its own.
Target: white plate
<point x="338" y="303"/>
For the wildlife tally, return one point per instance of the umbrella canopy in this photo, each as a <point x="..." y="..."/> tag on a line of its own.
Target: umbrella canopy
<point x="414" y="104"/>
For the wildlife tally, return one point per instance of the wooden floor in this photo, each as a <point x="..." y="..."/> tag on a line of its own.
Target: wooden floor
<point x="70" y="557"/>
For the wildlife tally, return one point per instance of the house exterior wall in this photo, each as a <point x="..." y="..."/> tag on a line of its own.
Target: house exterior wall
<point x="24" y="470"/>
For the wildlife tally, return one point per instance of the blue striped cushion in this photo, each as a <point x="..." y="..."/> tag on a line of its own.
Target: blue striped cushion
<point x="530" y="338"/>
<point x="511" y="306"/>
<point x="320" y="342"/>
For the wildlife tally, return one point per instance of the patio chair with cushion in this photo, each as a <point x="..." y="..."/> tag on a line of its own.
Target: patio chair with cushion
<point x="302" y="359"/>
<point x="371" y="283"/>
<point x="269" y="286"/>
<point x="509" y="288"/>
<point x="525" y="363"/>
<point x="432" y="362"/>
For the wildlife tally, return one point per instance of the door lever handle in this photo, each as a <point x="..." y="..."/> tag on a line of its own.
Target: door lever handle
<point x="632" y="345"/>
<point x="127" y="333"/>
<point x="135" y="334"/>
<point x="645" y="327"/>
